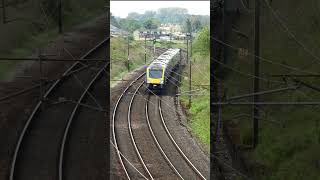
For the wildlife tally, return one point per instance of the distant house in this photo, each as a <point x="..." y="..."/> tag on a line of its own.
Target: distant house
<point x="170" y="28"/>
<point x="165" y="38"/>
<point x="114" y="31"/>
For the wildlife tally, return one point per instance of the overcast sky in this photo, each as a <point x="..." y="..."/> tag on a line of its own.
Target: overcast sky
<point x="122" y="8"/>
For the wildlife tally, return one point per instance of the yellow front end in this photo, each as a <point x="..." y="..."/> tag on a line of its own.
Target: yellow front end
<point x="155" y="81"/>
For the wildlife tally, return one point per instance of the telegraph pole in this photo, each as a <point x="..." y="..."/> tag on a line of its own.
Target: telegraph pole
<point x="190" y="72"/>
<point x="60" y="16"/>
<point x="4" y="20"/>
<point x="154" y="46"/>
<point x="256" y="72"/>
<point x="180" y="57"/>
<point x="215" y="51"/>
<point x="180" y="66"/>
<point x="40" y="71"/>
<point x="190" y="45"/>
<point x="170" y="40"/>
<point x="187" y="49"/>
<point x="108" y="32"/>
<point x="145" y="49"/>
<point x="128" y="64"/>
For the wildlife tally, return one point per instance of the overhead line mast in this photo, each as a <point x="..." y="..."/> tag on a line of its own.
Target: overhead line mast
<point x="4" y="12"/>
<point x="215" y="32"/>
<point x="60" y="16"/>
<point x="255" y="114"/>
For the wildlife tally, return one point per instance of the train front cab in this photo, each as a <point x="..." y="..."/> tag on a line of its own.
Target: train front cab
<point x="155" y="79"/>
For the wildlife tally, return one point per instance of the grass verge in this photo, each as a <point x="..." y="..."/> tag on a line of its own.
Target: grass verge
<point x="199" y="112"/>
<point x="119" y="55"/>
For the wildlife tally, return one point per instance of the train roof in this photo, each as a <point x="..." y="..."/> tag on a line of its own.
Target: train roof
<point x="164" y="58"/>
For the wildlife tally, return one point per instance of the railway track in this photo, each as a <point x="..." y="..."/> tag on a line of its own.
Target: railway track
<point x="40" y="152"/>
<point x="175" y="143"/>
<point x="144" y="145"/>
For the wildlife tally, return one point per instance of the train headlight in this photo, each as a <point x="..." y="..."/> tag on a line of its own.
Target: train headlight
<point x="161" y="81"/>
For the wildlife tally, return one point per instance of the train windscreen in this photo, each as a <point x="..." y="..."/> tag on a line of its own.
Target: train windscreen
<point x="155" y="73"/>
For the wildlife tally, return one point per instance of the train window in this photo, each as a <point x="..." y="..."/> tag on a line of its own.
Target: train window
<point x="155" y="73"/>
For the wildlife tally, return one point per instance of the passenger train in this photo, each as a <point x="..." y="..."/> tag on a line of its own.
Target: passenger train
<point x="160" y="69"/>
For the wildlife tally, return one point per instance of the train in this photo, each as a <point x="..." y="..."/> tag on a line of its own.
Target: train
<point x="159" y="70"/>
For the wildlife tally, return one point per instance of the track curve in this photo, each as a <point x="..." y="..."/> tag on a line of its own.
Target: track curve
<point x="36" y="110"/>
<point x="143" y="137"/>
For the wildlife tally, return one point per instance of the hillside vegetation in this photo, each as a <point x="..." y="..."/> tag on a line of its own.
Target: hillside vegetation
<point x="119" y="57"/>
<point x="199" y="111"/>
<point x="289" y="139"/>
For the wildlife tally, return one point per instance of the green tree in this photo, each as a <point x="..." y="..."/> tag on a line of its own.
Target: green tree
<point x="202" y="44"/>
<point x="195" y="22"/>
<point x="188" y="26"/>
<point x="148" y="15"/>
<point x="204" y="20"/>
<point x="134" y="15"/>
<point x="129" y="24"/>
<point x="151" y="24"/>
<point x="174" y="15"/>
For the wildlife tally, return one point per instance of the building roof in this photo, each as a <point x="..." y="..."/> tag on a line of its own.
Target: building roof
<point x="114" y="29"/>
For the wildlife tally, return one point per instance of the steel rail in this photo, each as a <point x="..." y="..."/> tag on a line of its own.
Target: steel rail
<point x="66" y="131"/>
<point x="45" y="83"/>
<point x="176" y="145"/>
<point x="156" y="141"/>
<point x="22" y="91"/>
<point x="35" y="110"/>
<point x="131" y="134"/>
<point x="113" y="123"/>
<point x="46" y="59"/>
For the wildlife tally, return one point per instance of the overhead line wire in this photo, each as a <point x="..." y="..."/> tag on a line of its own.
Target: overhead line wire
<point x="290" y="33"/>
<point x="243" y="73"/>
<point x="265" y="59"/>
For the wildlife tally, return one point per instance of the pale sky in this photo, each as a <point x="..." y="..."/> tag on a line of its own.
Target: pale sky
<point x="122" y="8"/>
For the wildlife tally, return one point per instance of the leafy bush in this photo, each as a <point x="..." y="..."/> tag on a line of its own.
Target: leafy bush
<point x="202" y="44"/>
